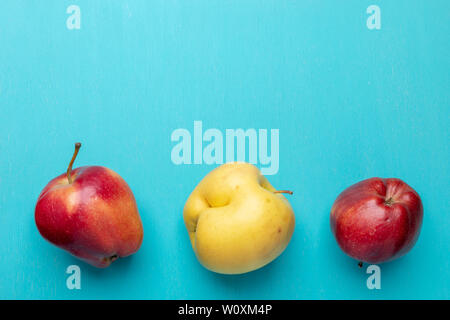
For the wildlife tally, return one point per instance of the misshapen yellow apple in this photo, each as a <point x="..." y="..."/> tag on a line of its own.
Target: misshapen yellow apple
<point x="237" y="222"/>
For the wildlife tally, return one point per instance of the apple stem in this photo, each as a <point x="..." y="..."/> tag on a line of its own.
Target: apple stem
<point x="360" y="264"/>
<point x="69" y="169"/>
<point x="389" y="202"/>
<point x="283" y="191"/>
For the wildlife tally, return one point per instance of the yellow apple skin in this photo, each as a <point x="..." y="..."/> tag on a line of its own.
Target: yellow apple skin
<point x="236" y="223"/>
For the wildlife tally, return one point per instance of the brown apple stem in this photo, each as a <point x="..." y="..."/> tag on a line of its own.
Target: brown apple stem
<point x="360" y="264"/>
<point x="283" y="191"/>
<point x="389" y="202"/>
<point x="69" y="169"/>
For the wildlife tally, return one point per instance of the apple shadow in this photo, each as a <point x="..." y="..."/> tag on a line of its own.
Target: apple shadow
<point x="125" y="267"/>
<point x="344" y="262"/>
<point x="346" y="270"/>
<point x="248" y="285"/>
<point x="257" y="284"/>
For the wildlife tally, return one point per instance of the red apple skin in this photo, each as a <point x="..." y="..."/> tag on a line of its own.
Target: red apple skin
<point x="95" y="217"/>
<point x="377" y="220"/>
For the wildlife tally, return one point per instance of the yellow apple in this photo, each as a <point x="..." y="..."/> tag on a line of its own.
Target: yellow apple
<point x="237" y="222"/>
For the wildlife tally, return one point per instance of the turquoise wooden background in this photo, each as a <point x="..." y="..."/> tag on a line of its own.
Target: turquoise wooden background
<point x="349" y="102"/>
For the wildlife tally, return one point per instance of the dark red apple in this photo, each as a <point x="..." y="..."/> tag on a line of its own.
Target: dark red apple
<point x="377" y="220"/>
<point x="90" y="212"/>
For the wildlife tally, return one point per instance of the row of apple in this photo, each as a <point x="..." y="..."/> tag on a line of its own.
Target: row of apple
<point x="236" y="220"/>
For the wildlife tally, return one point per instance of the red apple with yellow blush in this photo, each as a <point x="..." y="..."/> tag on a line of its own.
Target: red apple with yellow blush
<point x="377" y="220"/>
<point x="91" y="213"/>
